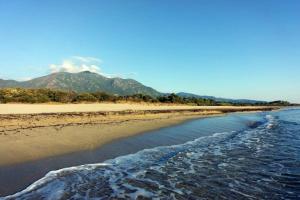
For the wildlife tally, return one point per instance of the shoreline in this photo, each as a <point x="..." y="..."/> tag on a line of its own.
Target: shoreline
<point x="28" y="137"/>
<point x="17" y="177"/>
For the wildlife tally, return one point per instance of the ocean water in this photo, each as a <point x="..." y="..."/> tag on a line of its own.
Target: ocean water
<point x="261" y="161"/>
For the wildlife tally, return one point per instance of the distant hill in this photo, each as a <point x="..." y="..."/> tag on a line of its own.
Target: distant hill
<point x="84" y="82"/>
<point x="92" y="82"/>
<point x="218" y="99"/>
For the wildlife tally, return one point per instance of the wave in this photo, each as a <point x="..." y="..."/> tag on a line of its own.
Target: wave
<point x="51" y="186"/>
<point x="226" y="164"/>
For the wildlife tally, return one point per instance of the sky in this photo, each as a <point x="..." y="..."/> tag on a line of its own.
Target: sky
<point x="225" y="48"/>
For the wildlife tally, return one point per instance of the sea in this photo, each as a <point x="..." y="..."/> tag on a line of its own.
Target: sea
<point x="237" y="156"/>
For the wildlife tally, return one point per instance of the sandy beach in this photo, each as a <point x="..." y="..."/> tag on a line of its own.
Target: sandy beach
<point x="30" y="131"/>
<point x="102" y="107"/>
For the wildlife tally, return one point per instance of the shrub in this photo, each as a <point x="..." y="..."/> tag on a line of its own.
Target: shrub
<point x="85" y="97"/>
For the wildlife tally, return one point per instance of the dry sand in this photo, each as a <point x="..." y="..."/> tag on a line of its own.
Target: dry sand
<point x="29" y="132"/>
<point x="65" y="108"/>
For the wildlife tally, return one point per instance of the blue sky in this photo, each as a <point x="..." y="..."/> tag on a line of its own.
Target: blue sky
<point x="225" y="48"/>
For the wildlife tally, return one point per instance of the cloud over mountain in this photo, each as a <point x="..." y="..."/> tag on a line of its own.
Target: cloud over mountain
<point x="77" y="64"/>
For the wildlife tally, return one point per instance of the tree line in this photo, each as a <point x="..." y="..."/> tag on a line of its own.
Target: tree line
<point x="22" y="95"/>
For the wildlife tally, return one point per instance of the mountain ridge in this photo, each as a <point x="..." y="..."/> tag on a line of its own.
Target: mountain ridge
<point x="84" y="82"/>
<point x="219" y="99"/>
<point x="87" y="81"/>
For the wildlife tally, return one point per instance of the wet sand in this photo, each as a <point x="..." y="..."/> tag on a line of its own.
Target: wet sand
<point x="31" y="132"/>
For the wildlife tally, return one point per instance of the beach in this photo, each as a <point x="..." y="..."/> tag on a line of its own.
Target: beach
<point x="35" y="131"/>
<point x="225" y="153"/>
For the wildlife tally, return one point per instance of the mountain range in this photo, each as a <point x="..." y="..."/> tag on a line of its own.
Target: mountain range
<point x="219" y="99"/>
<point x="84" y="82"/>
<point x="92" y="82"/>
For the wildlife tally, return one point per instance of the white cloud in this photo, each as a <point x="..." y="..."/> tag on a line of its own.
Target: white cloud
<point x="77" y="64"/>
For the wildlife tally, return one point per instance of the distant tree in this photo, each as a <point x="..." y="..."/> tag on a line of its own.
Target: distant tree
<point x="102" y="96"/>
<point x="61" y="96"/>
<point x="50" y="95"/>
<point x="85" y="97"/>
<point x="279" y="103"/>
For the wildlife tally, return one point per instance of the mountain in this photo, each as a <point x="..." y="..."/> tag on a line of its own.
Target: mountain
<point x="92" y="82"/>
<point x="8" y="83"/>
<point x="218" y="99"/>
<point x="84" y="82"/>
